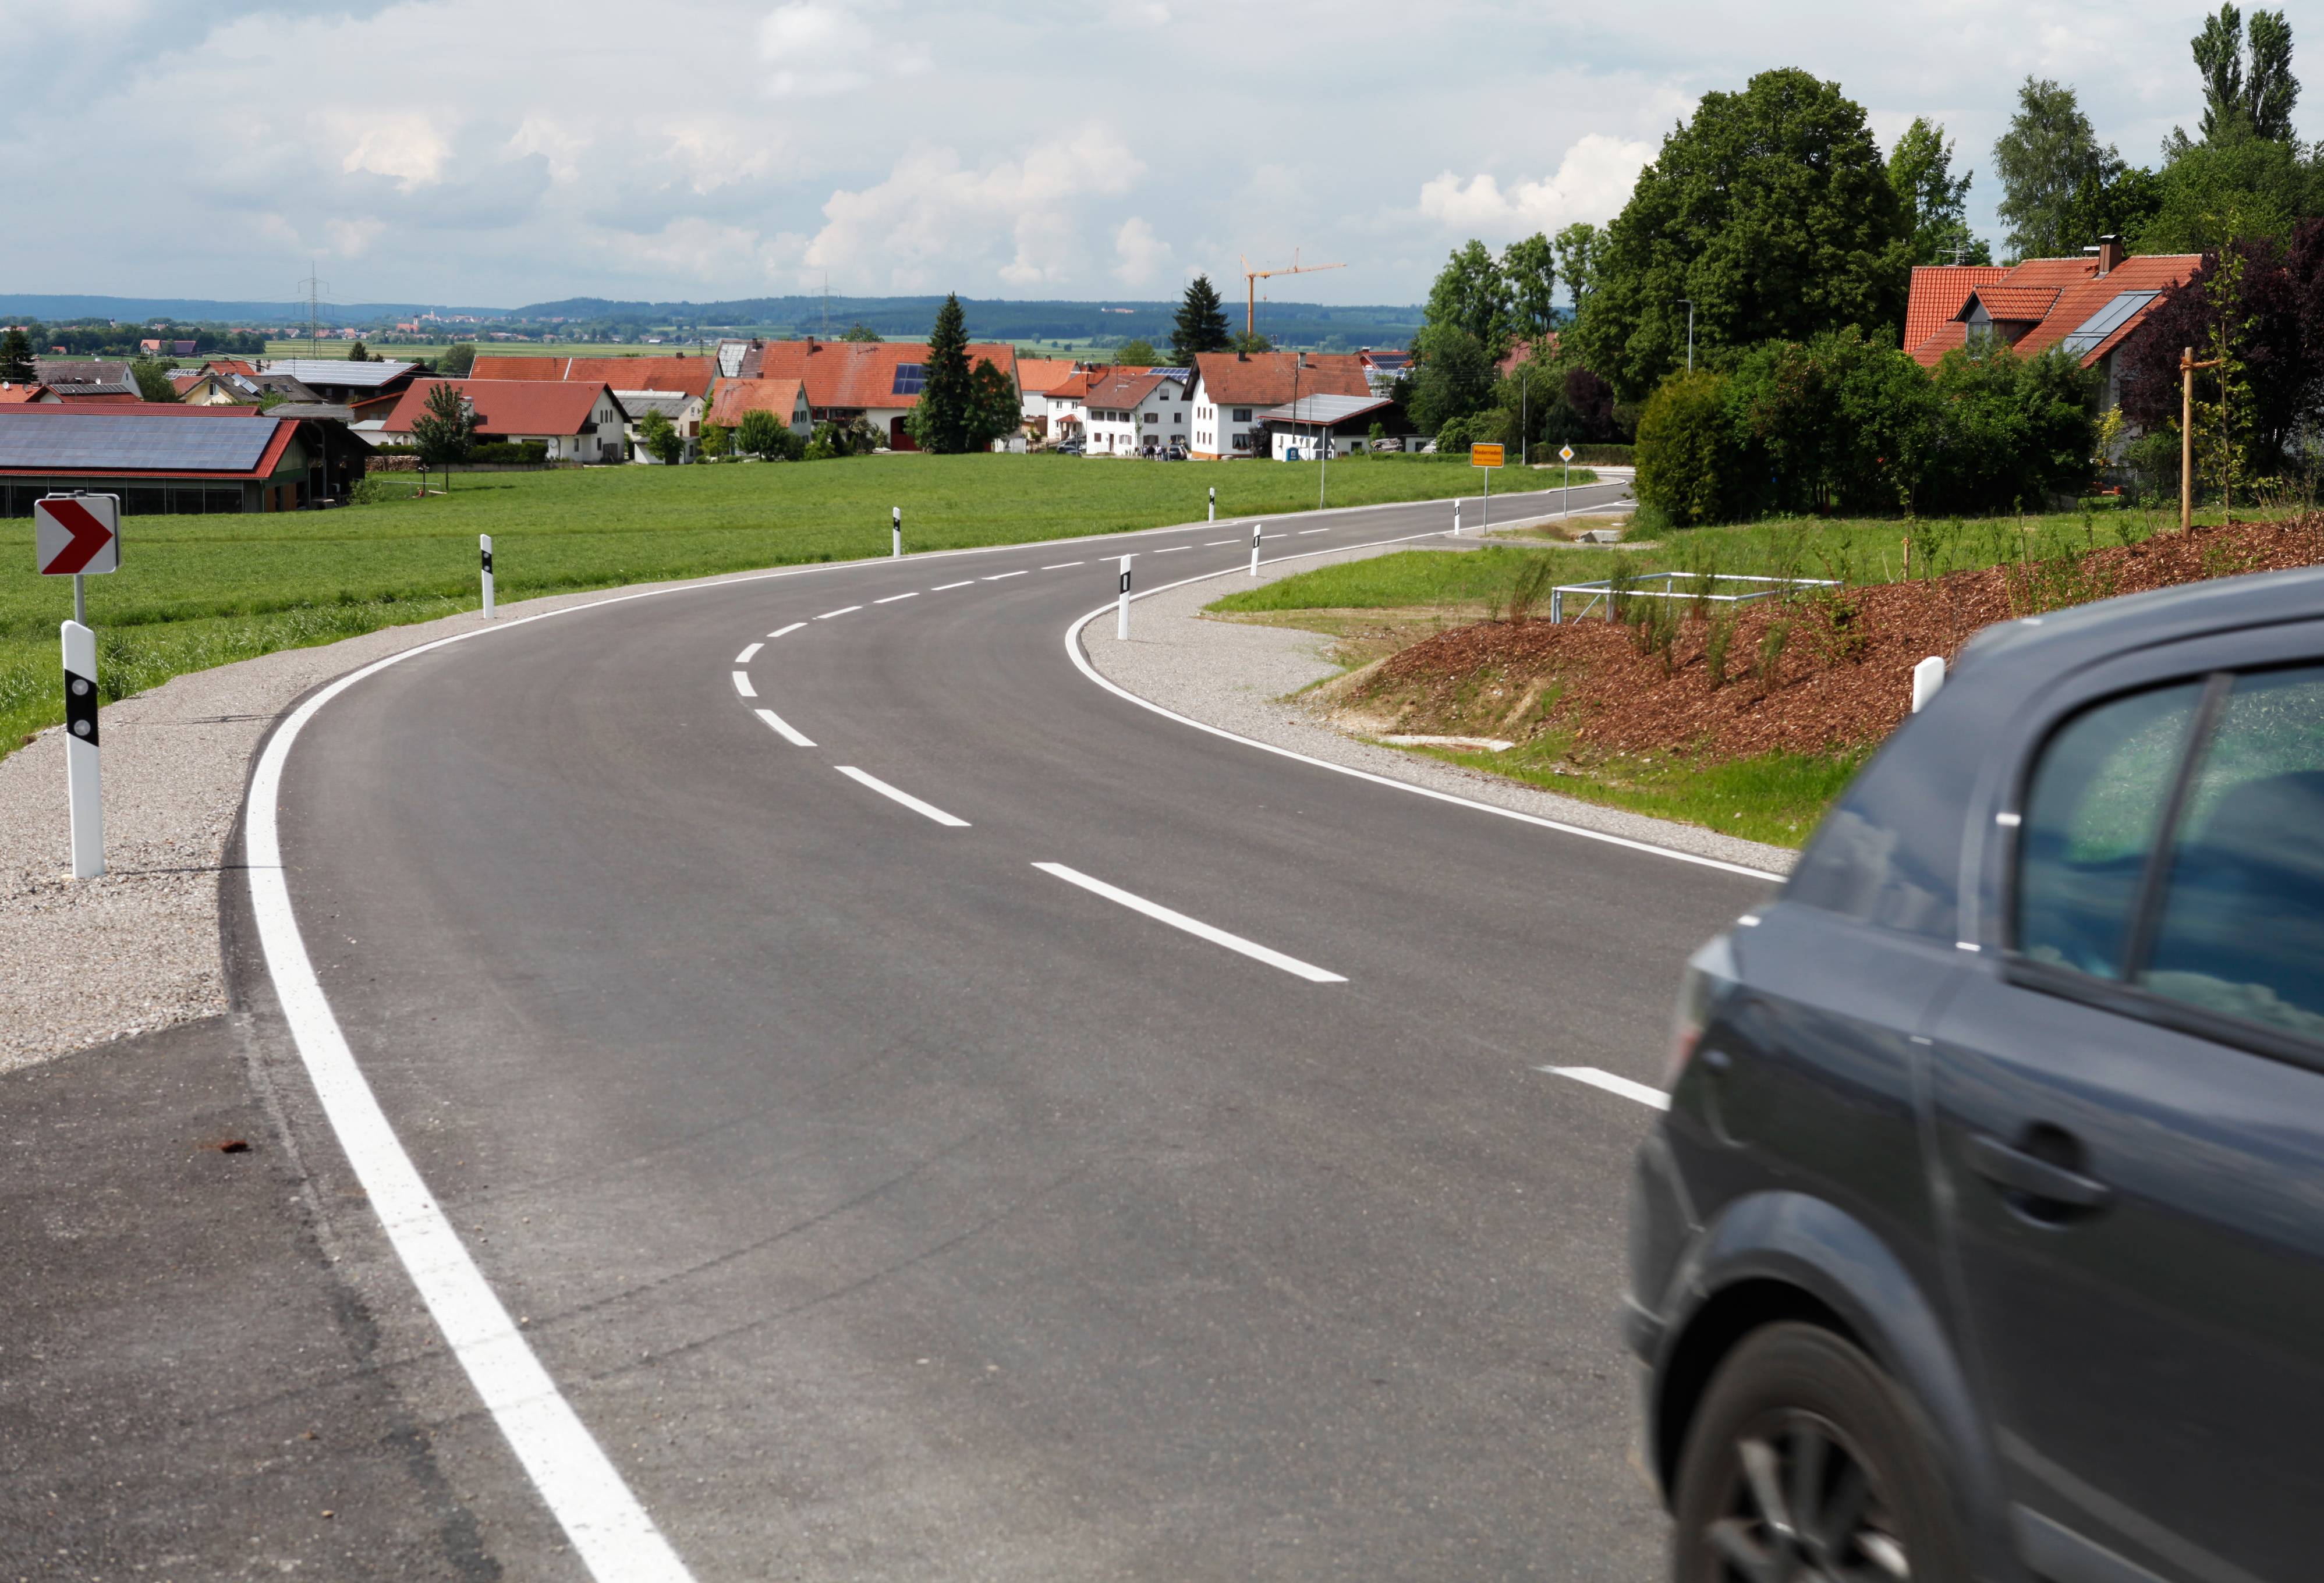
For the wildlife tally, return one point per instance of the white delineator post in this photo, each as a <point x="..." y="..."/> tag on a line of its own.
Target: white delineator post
<point x="1215" y="505"/>
<point x="896" y="531"/>
<point x="82" y="794"/>
<point x="1258" y="532"/>
<point x="1927" y="677"/>
<point x="1457" y="519"/>
<point x="484" y="549"/>
<point x="1121" y="606"/>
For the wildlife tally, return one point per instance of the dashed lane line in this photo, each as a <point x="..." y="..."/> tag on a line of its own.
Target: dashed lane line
<point x="928" y="810"/>
<point x="1061" y="566"/>
<point x="743" y="685"/>
<point x="893" y="597"/>
<point x="1195" y="927"/>
<point x="843" y="609"/>
<point x="1304" y="532"/>
<point x="940" y="587"/>
<point x="783" y="728"/>
<point x="998" y="575"/>
<point x="1173" y="549"/>
<point x="1651" y="1097"/>
<point x="745" y="657"/>
<point x="782" y="632"/>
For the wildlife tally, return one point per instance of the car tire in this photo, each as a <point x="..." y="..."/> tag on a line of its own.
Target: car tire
<point x="1804" y="1460"/>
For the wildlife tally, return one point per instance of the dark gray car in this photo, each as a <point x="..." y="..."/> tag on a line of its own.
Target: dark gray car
<point x="1984" y="1236"/>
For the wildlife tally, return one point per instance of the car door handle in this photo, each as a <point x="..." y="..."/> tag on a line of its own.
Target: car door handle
<point x="2036" y="1178"/>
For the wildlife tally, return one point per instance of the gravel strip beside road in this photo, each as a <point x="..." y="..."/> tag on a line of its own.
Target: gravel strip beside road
<point x="1239" y="677"/>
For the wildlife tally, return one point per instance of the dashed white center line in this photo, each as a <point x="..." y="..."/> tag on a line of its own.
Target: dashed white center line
<point x="929" y="809"/>
<point x="1612" y="1084"/>
<point x="1173" y="549"/>
<point x="743" y="685"/>
<point x="940" y="587"/>
<point x="780" y="631"/>
<point x="1195" y="927"/>
<point x="1304" y="532"/>
<point x="998" y="575"/>
<point x="843" y="609"/>
<point x="893" y="597"/>
<point x="744" y="657"/>
<point x="784" y="729"/>
<point x="1061" y="566"/>
<point x="1214" y="543"/>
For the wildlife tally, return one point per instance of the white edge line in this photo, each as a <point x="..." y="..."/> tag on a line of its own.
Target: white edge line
<point x="749" y="654"/>
<point x="786" y="631"/>
<point x="1195" y="927"/>
<point x="1653" y="1098"/>
<point x="1061" y="566"/>
<point x="891" y="599"/>
<point x="615" y="1538"/>
<point x="1073" y="651"/>
<point x="743" y="685"/>
<point x="940" y="587"/>
<point x="905" y="797"/>
<point x="783" y="728"/>
<point x="843" y="609"/>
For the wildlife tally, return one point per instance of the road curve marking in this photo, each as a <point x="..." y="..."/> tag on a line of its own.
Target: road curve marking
<point x="1061" y="566"/>
<point x="743" y="685"/>
<point x="745" y="657"/>
<point x="940" y="587"/>
<point x="1653" y="1098"/>
<point x="929" y="809"/>
<point x="998" y="575"/>
<point x="1304" y="532"/>
<point x="783" y="728"/>
<point x="1195" y="927"/>
<point x="616" y="1540"/>
<point x="843" y="609"/>
<point x="891" y="599"/>
<point x="784" y="631"/>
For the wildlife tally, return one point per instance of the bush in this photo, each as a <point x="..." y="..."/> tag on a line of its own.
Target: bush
<point x="1686" y="453"/>
<point x="529" y="453"/>
<point x="1607" y="456"/>
<point x="1456" y="435"/>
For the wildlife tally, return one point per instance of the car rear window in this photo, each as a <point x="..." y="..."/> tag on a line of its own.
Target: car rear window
<point x="2093" y="815"/>
<point x="2241" y="929"/>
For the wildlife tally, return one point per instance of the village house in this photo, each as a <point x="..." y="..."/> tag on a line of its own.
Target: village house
<point x="1231" y="389"/>
<point x="1133" y="412"/>
<point x="1036" y="378"/>
<point x="576" y="421"/>
<point x="1299" y="431"/>
<point x="785" y="398"/>
<point x="335" y="379"/>
<point x="878" y="381"/>
<point x="159" y="457"/>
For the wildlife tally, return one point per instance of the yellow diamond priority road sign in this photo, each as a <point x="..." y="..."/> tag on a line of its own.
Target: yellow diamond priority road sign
<point x="1485" y="456"/>
<point x="1565" y="453"/>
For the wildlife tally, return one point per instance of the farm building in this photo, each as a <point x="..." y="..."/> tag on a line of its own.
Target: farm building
<point x="161" y="459"/>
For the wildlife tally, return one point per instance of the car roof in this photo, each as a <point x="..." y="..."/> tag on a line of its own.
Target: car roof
<point x="2069" y="638"/>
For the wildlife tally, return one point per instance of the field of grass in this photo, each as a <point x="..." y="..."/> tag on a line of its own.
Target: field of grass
<point x="196" y="592"/>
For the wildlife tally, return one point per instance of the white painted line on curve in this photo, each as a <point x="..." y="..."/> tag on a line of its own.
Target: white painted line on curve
<point x="1214" y="543"/>
<point x="1195" y="927"/>
<point x="745" y="657"/>
<point x="783" y="728"/>
<point x="1304" y="532"/>
<point x="784" y="631"/>
<point x="1061" y="566"/>
<point x="843" y="609"/>
<point x="998" y="575"/>
<point x="743" y="685"/>
<point x="1652" y="1097"/>
<point x="940" y="587"/>
<point x="893" y="597"/>
<point x="1173" y="549"/>
<point x="905" y="797"/>
<point x="578" y="1483"/>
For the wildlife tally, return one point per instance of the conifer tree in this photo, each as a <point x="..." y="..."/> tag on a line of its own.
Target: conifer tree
<point x="16" y="357"/>
<point x="940" y="422"/>
<point x="1201" y="325"/>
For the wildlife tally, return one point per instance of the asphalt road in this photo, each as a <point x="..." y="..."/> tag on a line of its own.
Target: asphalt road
<point x="887" y="1205"/>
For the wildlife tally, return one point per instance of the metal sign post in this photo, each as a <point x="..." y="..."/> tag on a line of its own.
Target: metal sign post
<point x="1121" y="608"/>
<point x="484" y="547"/>
<point x="1565" y="454"/>
<point x="1486" y="457"/>
<point x="79" y="536"/>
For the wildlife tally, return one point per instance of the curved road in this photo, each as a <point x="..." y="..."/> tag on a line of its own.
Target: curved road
<point x="886" y="1204"/>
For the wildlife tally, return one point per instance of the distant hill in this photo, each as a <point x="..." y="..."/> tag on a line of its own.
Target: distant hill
<point x="201" y="310"/>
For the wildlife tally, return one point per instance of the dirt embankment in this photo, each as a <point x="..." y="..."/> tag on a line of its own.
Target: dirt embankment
<point x="1808" y="676"/>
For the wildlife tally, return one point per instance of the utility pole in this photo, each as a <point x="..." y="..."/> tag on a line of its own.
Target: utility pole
<point x="1690" y="334"/>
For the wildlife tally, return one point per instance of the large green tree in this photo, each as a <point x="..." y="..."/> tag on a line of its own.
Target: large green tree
<point x="1934" y="200"/>
<point x="1138" y="353"/>
<point x="1577" y="259"/>
<point x="1530" y="268"/>
<point x="458" y="359"/>
<point x="940" y="420"/>
<point x="2236" y="188"/>
<point x="2061" y="189"/>
<point x="153" y="377"/>
<point x="1452" y="377"/>
<point x="1201" y="325"/>
<point x="1771" y="211"/>
<point x="1471" y="295"/>
<point x="2243" y="96"/>
<point x="16" y="365"/>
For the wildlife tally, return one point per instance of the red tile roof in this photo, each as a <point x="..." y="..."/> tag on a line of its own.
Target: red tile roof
<point x="1938" y="292"/>
<point x="691" y="375"/>
<point x="2080" y="302"/>
<point x="1265" y="379"/>
<point x="1121" y="387"/>
<point x="508" y="406"/>
<point x="13" y="395"/>
<point x="738" y="396"/>
<point x="2016" y="304"/>
<point x="1522" y="353"/>
<point x="861" y="373"/>
<point x="1040" y="375"/>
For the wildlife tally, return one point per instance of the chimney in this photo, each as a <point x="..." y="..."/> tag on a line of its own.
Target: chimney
<point x="2111" y="253"/>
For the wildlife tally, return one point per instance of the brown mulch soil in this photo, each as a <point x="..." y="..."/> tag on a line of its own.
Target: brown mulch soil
<point x="1844" y="678"/>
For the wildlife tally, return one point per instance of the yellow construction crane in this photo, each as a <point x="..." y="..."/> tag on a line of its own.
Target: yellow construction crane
<point x="1251" y="278"/>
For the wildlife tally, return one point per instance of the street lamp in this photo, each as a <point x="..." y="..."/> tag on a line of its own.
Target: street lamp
<point x="1690" y="334"/>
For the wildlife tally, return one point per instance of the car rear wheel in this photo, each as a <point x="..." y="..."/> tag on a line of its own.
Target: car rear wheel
<point x="1806" y="1465"/>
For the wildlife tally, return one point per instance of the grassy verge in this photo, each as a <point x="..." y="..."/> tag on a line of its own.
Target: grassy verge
<point x="196" y="592"/>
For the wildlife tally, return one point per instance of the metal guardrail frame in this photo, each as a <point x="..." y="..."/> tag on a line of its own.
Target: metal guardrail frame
<point x="1603" y="590"/>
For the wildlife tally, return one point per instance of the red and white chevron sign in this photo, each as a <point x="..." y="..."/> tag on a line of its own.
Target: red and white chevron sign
<point x="78" y="533"/>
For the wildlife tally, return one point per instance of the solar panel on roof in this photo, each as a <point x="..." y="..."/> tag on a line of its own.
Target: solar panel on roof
<point x="1173" y="372"/>
<point x="2107" y="320"/>
<point x="909" y="378"/>
<point x="131" y="443"/>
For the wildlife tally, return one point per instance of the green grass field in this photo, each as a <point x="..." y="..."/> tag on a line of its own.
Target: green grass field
<point x="196" y="592"/>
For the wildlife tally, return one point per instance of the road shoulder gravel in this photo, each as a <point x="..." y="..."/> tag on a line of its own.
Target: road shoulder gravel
<point x="1242" y="678"/>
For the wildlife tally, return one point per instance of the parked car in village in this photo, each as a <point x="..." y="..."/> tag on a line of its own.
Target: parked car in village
<point x="1983" y="1235"/>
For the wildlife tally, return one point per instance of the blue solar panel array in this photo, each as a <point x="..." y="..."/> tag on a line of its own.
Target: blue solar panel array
<point x="1173" y="372"/>
<point x="132" y="443"/>
<point x="910" y="377"/>
<point x="2107" y="320"/>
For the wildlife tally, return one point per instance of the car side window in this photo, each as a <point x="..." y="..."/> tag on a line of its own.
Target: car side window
<point x="2093" y="812"/>
<point x="2240" y="931"/>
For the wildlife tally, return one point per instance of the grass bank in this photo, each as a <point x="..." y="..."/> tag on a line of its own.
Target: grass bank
<point x="196" y="592"/>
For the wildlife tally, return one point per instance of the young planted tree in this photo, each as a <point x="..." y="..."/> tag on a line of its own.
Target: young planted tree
<point x="939" y="422"/>
<point x="445" y="430"/>
<point x="661" y="438"/>
<point x="1934" y="201"/>
<point x="2223" y="422"/>
<point x="1201" y="325"/>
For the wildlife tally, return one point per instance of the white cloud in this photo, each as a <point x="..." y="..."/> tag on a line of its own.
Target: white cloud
<point x="818" y="50"/>
<point x="1592" y="183"/>
<point x="1142" y="256"/>
<point x="407" y="148"/>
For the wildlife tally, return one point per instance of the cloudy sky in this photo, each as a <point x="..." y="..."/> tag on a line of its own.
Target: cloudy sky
<point x="504" y="152"/>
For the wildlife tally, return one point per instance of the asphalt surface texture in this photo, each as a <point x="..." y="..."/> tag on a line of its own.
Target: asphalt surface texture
<point x="884" y="1204"/>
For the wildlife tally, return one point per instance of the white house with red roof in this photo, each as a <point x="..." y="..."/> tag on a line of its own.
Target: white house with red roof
<point x="577" y="420"/>
<point x="1231" y="389"/>
<point x="2090" y="305"/>
<point x="1131" y="411"/>
<point x="878" y="381"/>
